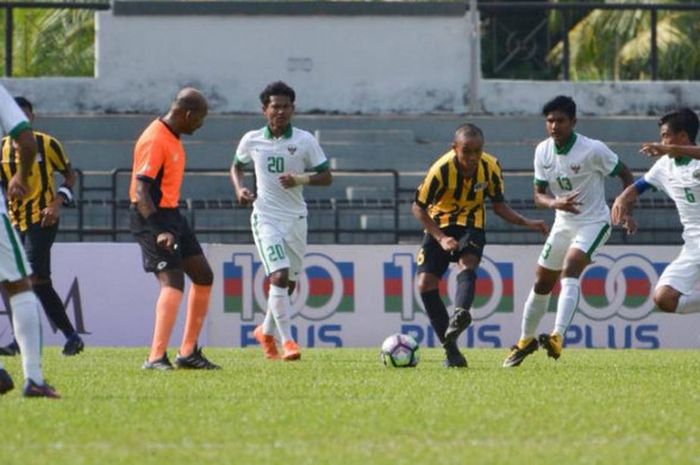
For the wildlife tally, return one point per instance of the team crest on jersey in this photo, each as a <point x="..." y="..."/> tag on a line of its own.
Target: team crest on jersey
<point x="480" y="186"/>
<point x="291" y="149"/>
<point x="575" y="168"/>
<point x="696" y="174"/>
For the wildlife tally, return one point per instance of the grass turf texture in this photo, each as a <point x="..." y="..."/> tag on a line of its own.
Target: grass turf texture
<point x="341" y="406"/>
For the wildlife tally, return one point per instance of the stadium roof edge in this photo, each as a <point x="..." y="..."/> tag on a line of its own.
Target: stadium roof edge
<point x="281" y="8"/>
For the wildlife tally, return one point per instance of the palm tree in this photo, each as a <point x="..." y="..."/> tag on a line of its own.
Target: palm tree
<point x="616" y="44"/>
<point x="50" y="42"/>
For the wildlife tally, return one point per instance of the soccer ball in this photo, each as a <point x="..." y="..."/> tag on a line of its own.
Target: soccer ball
<point x="400" y="351"/>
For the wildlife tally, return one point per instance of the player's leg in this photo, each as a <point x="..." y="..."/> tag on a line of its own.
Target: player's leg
<point x="167" y="267"/>
<point x="172" y="283"/>
<point x="266" y="331"/>
<point x="471" y="247"/>
<point x="676" y="290"/>
<point x="190" y="354"/>
<point x="587" y="241"/>
<point x="547" y="273"/>
<point x="295" y="248"/>
<point x="534" y="309"/>
<point x="14" y="272"/>
<point x="6" y="383"/>
<point x="11" y="349"/>
<point x="38" y="242"/>
<point x="197" y="268"/>
<point x="269" y="235"/>
<point x="432" y="262"/>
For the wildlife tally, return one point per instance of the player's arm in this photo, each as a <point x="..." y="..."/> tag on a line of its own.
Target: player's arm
<point x="147" y="209"/>
<point x="320" y="178"/>
<point x="243" y="194"/>
<point x="623" y="206"/>
<point x="504" y="210"/>
<point x="543" y="199"/>
<point x="425" y="196"/>
<point x="624" y="173"/>
<point x="448" y="243"/>
<point x="64" y="197"/>
<point x="315" y="159"/>
<point x="144" y="202"/>
<point x="26" y="146"/>
<point x="624" y="216"/>
<point x="654" y="149"/>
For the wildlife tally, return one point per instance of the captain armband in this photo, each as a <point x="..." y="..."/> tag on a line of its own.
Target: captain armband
<point x="66" y="193"/>
<point x="641" y="185"/>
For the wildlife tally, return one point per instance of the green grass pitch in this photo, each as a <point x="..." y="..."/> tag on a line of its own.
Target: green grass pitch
<point x="341" y="406"/>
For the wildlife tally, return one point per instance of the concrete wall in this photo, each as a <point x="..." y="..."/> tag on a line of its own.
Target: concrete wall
<point x="341" y="58"/>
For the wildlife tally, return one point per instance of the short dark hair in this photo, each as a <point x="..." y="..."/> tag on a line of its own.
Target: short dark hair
<point x="23" y="102"/>
<point x="468" y="130"/>
<point x="561" y="103"/>
<point x="276" y="88"/>
<point x="683" y="119"/>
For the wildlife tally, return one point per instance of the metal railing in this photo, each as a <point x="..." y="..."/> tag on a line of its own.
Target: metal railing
<point x="381" y="214"/>
<point x="113" y="197"/>
<point x="499" y="8"/>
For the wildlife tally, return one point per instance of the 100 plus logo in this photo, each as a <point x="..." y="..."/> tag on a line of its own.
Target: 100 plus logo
<point x="613" y="287"/>
<point x="621" y="287"/>
<point x="324" y="287"/>
<point x="493" y="293"/>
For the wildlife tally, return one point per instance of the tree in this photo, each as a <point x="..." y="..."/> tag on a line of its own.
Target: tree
<point x="53" y="42"/>
<point x="616" y="44"/>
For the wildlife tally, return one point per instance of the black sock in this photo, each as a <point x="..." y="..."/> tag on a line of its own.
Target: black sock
<point x="53" y="307"/>
<point x="466" y="286"/>
<point x="437" y="313"/>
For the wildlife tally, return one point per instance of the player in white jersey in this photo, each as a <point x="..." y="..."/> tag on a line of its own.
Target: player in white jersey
<point x="281" y="155"/>
<point x="14" y="267"/>
<point x="574" y="168"/>
<point x="678" y="175"/>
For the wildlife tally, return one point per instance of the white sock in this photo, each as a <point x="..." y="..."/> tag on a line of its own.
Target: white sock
<point x="567" y="304"/>
<point x="278" y="303"/>
<point x="268" y="325"/>
<point x="535" y="308"/>
<point x="25" y="316"/>
<point x="688" y="303"/>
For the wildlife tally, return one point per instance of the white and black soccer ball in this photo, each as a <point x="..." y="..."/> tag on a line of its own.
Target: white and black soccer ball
<point x="400" y="351"/>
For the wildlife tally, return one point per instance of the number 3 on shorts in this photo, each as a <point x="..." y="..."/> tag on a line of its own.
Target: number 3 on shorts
<point x="546" y="250"/>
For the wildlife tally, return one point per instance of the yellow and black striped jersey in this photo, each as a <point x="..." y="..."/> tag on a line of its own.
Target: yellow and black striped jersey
<point x="452" y="199"/>
<point x="50" y="157"/>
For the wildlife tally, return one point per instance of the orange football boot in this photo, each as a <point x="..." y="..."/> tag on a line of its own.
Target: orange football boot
<point x="267" y="343"/>
<point x="291" y="351"/>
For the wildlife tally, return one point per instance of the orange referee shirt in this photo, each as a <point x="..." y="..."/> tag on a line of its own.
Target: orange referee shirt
<point x="159" y="158"/>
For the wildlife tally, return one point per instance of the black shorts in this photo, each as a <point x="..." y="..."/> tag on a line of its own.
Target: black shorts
<point x="157" y="258"/>
<point x="37" y="244"/>
<point x="433" y="259"/>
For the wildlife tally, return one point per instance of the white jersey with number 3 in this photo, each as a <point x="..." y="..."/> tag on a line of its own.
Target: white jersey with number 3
<point x="582" y="168"/>
<point x="12" y="118"/>
<point x="295" y="152"/>
<point x="680" y="180"/>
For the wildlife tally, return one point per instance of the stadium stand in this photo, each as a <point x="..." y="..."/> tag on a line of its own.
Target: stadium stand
<point x="378" y="161"/>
